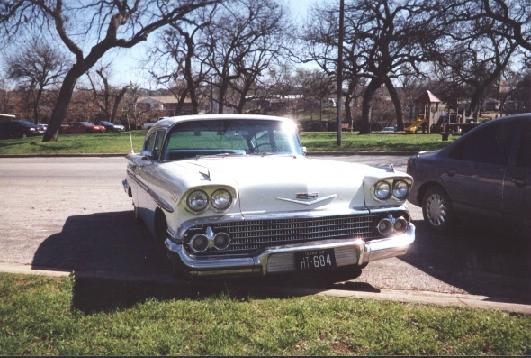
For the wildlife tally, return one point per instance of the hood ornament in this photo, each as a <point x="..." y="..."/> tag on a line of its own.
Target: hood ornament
<point x="307" y="198"/>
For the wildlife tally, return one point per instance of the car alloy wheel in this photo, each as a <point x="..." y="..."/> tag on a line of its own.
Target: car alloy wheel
<point x="437" y="209"/>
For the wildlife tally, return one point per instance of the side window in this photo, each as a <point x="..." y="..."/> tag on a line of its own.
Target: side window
<point x="150" y="142"/>
<point x="490" y="144"/>
<point x="159" y="142"/>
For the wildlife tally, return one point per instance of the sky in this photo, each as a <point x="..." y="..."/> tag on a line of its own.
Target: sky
<point x="127" y="64"/>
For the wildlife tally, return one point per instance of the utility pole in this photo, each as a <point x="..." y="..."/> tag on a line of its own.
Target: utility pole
<point x="339" y="68"/>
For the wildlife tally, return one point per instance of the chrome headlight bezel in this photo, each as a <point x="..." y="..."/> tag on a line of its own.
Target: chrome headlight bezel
<point x="380" y="193"/>
<point x="395" y="191"/>
<point x="189" y="199"/>
<point x="217" y="193"/>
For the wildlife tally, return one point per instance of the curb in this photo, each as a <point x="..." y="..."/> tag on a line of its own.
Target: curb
<point x="64" y="155"/>
<point x="109" y="155"/>
<point x="405" y="296"/>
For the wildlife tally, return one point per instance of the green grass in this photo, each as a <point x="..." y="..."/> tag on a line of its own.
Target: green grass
<point x="314" y="141"/>
<point x="319" y="141"/>
<point x="74" y="143"/>
<point x="44" y="316"/>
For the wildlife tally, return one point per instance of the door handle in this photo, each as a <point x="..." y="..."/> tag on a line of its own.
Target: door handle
<point x="519" y="182"/>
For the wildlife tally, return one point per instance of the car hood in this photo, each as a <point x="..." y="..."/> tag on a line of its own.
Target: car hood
<point x="278" y="183"/>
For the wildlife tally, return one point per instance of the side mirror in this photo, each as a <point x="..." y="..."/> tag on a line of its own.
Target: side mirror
<point x="146" y="155"/>
<point x="304" y="150"/>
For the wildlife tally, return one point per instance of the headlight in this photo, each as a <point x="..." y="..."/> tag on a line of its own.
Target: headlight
<point x="221" y="199"/>
<point x="197" y="200"/>
<point x="382" y="190"/>
<point x="400" y="189"/>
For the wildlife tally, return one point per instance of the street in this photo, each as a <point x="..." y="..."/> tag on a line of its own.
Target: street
<point x="72" y="214"/>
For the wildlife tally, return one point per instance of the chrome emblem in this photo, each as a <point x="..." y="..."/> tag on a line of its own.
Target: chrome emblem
<point x="307" y="195"/>
<point x="307" y="199"/>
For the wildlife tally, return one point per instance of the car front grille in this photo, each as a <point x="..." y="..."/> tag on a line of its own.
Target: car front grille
<point x="254" y="235"/>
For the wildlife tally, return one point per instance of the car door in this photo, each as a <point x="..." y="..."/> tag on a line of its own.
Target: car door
<point x="146" y="174"/>
<point x="476" y="169"/>
<point x="517" y="184"/>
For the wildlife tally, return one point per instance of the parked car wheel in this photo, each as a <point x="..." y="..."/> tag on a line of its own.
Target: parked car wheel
<point x="437" y="209"/>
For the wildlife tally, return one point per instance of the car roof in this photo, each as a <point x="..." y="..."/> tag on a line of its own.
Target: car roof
<point x="167" y="122"/>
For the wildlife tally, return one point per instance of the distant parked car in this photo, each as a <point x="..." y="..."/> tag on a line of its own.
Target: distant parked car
<point x="388" y="130"/>
<point x="486" y="173"/>
<point x="42" y="127"/>
<point x="111" y="127"/>
<point x="18" y="129"/>
<point x="83" y="127"/>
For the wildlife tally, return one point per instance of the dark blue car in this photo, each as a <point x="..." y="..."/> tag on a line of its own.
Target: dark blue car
<point x="484" y="174"/>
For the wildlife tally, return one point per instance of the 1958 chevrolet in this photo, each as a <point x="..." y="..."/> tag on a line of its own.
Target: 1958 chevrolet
<point x="235" y="194"/>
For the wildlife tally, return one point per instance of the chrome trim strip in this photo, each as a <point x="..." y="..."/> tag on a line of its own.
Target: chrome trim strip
<point x="366" y="252"/>
<point x="160" y="201"/>
<point x="308" y="203"/>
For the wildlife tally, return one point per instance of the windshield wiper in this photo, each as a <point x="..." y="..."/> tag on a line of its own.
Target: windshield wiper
<point x="218" y="155"/>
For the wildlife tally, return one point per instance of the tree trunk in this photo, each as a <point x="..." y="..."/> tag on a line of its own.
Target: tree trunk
<point x="36" y="105"/>
<point x="368" y="94"/>
<point x="116" y="103"/>
<point x="61" y="106"/>
<point x="396" y="102"/>
<point x="475" y="102"/>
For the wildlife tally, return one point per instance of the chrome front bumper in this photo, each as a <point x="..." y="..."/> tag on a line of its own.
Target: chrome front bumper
<point x="279" y="259"/>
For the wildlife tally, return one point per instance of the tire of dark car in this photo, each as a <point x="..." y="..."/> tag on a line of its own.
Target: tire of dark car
<point x="437" y="209"/>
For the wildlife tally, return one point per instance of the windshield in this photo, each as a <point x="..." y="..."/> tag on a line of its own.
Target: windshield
<point x="233" y="136"/>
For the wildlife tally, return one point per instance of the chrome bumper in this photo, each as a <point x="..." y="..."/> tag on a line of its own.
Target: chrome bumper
<point x="278" y="259"/>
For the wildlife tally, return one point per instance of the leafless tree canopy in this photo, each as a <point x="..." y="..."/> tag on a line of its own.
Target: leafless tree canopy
<point x="36" y="66"/>
<point x="98" y="26"/>
<point x="238" y="52"/>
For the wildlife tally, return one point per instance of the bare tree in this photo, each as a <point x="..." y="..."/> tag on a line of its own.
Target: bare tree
<point x="473" y="51"/>
<point x="107" y="97"/>
<point x="111" y="24"/>
<point x="392" y="34"/>
<point x="243" y="40"/>
<point x="36" y="66"/>
<point x="320" y="41"/>
<point x="177" y="56"/>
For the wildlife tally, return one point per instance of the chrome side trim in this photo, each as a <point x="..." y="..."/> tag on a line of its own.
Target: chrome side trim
<point x="160" y="201"/>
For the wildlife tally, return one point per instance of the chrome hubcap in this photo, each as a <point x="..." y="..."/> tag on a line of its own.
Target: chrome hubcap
<point x="436" y="209"/>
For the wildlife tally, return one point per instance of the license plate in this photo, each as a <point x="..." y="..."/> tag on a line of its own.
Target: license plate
<point x="315" y="259"/>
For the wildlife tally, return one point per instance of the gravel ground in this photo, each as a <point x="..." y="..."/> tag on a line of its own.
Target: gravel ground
<point x="72" y="214"/>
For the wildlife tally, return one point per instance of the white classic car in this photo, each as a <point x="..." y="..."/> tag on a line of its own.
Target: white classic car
<point x="235" y="195"/>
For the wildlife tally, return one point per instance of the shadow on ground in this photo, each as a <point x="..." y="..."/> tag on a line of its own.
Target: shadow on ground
<point x="114" y="246"/>
<point x="111" y="242"/>
<point x="484" y="261"/>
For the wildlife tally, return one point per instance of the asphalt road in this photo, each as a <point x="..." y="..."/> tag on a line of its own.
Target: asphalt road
<point x="72" y="214"/>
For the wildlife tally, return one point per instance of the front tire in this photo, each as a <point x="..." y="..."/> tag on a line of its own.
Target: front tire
<point x="437" y="209"/>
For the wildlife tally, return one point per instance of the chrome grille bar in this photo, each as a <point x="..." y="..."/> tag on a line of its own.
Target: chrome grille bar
<point x="252" y="235"/>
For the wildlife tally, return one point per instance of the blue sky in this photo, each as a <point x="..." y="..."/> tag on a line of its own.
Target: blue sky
<point x="127" y="64"/>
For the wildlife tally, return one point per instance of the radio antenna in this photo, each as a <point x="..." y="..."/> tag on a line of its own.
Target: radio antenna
<point x="130" y="135"/>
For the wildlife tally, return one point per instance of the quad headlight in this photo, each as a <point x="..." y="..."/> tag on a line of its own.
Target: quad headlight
<point x="197" y="200"/>
<point x="221" y="199"/>
<point x="382" y="190"/>
<point x="400" y="189"/>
